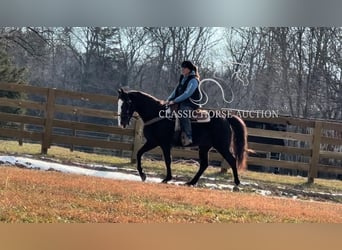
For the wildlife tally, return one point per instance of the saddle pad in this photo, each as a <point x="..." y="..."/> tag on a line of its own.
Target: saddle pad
<point x="200" y="115"/>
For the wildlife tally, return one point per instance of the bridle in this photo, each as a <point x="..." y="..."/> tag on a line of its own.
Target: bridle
<point x="126" y="114"/>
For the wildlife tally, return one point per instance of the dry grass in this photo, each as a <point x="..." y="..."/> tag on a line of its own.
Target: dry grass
<point x="36" y="196"/>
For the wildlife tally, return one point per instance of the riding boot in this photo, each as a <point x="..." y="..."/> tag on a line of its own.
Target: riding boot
<point x="186" y="141"/>
<point x="186" y="126"/>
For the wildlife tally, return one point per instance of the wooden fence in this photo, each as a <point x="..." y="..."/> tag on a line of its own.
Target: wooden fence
<point x="69" y="118"/>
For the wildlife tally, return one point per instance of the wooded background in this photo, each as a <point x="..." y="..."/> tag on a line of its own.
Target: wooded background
<point x="296" y="70"/>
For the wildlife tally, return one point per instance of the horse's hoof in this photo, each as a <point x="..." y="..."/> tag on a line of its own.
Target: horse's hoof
<point x="143" y="176"/>
<point x="189" y="184"/>
<point x="166" y="180"/>
<point x="236" y="189"/>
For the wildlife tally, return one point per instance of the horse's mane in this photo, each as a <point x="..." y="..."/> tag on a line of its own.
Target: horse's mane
<point x="145" y="96"/>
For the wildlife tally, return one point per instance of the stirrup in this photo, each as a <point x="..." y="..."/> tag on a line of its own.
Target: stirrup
<point x="185" y="140"/>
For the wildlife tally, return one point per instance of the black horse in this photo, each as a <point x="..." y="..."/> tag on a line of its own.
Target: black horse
<point x="160" y="132"/>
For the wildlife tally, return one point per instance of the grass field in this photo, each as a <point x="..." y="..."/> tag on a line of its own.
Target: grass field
<point x="37" y="196"/>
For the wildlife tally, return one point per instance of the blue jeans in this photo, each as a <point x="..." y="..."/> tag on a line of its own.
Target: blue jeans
<point x="185" y="121"/>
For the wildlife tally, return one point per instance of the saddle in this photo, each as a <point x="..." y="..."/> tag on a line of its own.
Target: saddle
<point x="197" y="115"/>
<point x="201" y="116"/>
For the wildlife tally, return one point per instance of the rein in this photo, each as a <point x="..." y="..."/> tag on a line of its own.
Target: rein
<point x="154" y="120"/>
<point x="147" y="123"/>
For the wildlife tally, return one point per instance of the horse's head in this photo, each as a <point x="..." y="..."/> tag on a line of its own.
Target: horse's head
<point x="127" y="108"/>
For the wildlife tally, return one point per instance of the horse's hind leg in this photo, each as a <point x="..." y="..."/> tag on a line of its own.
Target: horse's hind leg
<point x="203" y="155"/>
<point x="232" y="162"/>
<point x="167" y="157"/>
<point x="146" y="147"/>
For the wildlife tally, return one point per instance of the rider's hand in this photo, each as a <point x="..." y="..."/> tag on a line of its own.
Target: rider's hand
<point x="170" y="103"/>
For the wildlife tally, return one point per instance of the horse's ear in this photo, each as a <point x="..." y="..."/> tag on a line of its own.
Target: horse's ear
<point x="123" y="95"/>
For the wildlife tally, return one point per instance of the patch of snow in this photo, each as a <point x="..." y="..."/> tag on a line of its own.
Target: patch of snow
<point x="264" y="192"/>
<point x="42" y="165"/>
<point x="218" y="186"/>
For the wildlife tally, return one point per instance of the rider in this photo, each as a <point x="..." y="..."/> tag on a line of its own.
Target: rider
<point x="187" y="88"/>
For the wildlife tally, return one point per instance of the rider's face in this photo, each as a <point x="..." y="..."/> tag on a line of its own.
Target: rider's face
<point x="185" y="71"/>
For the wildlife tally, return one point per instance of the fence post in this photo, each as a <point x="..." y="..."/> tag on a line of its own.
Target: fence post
<point x="138" y="139"/>
<point x="22" y="128"/>
<point x="49" y="115"/>
<point x="224" y="166"/>
<point x="316" y="143"/>
<point x="74" y="135"/>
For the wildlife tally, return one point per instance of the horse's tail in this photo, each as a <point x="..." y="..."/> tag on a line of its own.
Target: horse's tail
<point x="240" y="140"/>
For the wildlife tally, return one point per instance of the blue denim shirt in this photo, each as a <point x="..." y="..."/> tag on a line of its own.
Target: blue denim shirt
<point x="192" y="85"/>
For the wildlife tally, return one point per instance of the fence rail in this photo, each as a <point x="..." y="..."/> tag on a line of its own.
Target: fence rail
<point x="51" y="109"/>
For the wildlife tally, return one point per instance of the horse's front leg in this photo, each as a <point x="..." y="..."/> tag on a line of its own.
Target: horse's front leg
<point x="167" y="156"/>
<point x="146" y="147"/>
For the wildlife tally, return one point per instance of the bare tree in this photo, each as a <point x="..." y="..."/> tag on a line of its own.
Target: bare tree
<point x="169" y="46"/>
<point x="132" y="56"/>
<point x="296" y="70"/>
